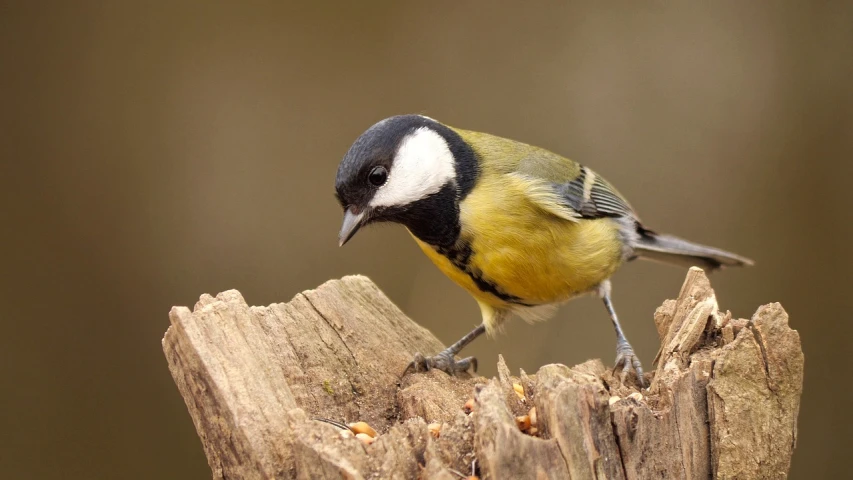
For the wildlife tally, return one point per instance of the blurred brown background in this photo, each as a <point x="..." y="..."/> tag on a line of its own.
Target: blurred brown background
<point x="151" y="153"/>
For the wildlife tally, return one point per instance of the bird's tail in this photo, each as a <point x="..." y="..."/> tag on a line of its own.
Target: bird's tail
<point x="677" y="251"/>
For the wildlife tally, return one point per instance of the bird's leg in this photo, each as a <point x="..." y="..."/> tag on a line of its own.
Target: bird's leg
<point x="625" y="356"/>
<point x="444" y="361"/>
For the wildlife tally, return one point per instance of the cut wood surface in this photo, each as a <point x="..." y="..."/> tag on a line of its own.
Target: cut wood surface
<point x="723" y="399"/>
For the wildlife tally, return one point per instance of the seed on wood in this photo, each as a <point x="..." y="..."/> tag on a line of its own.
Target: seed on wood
<point x="523" y="422"/>
<point x="519" y="390"/>
<point x="362" y="427"/>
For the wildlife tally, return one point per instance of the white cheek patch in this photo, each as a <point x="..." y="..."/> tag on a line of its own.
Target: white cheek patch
<point x="423" y="164"/>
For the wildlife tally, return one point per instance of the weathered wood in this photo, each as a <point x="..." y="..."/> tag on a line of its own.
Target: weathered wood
<point x="723" y="400"/>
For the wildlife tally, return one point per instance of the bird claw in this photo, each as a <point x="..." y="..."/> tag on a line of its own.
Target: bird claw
<point x="627" y="359"/>
<point x="443" y="361"/>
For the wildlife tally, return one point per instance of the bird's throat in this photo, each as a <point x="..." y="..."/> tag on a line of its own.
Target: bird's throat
<point x="433" y="220"/>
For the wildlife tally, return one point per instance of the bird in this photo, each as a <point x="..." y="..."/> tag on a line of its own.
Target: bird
<point x="519" y="227"/>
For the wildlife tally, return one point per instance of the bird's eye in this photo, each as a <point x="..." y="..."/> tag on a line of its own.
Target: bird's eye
<point x="378" y="176"/>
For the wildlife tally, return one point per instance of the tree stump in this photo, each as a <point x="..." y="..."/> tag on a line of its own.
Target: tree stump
<point x="723" y="400"/>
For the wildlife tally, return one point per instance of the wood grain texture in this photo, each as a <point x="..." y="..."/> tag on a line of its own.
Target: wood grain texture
<point x="723" y="399"/>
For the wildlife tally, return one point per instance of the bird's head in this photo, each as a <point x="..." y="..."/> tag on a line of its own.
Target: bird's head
<point x="408" y="169"/>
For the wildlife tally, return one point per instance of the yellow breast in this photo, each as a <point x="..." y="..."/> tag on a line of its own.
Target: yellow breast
<point x="526" y="252"/>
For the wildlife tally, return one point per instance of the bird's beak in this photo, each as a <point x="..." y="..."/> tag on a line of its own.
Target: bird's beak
<point x="353" y="220"/>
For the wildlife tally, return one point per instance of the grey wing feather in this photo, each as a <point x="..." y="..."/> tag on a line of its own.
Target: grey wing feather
<point x="592" y="197"/>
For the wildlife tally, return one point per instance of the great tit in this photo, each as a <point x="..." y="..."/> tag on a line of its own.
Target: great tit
<point x="520" y="228"/>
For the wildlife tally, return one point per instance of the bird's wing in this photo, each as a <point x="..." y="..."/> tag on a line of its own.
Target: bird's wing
<point x="569" y="190"/>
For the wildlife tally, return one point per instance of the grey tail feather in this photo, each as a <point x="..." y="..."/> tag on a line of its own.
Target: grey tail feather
<point x="677" y="251"/>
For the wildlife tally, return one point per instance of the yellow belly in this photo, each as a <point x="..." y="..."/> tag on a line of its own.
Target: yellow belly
<point x="527" y="253"/>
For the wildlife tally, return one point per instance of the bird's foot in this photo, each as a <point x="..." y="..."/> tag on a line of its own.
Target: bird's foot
<point x="443" y="361"/>
<point x="628" y="361"/>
